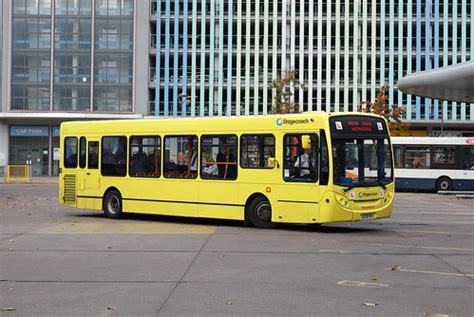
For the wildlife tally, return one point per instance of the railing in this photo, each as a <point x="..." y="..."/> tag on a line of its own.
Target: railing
<point x="19" y="173"/>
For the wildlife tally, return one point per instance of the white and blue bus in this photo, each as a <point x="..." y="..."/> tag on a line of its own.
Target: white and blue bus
<point x="434" y="163"/>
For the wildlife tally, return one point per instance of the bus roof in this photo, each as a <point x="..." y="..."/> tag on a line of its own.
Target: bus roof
<point x="433" y="140"/>
<point x="286" y="122"/>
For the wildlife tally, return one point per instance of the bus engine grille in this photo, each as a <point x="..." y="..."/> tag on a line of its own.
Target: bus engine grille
<point x="69" y="189"/>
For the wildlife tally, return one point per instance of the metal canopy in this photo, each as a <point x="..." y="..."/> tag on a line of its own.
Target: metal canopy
<point x="452" y="83"/>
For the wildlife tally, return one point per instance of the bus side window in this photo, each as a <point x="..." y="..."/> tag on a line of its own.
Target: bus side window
<point x="70" y="152"/>
<point x="82" y="152"/>
<point x="218" y="157"/>
<point x="300" y="165"/>
<point x="180" y="156"/>
<point x="467" y="158"/>
<point x="93" y="155"/>
<point x="256" y="149"/>
<point x="398" y="155"/>
<point x="324" y="160"/>
<point x="114" y="156"/>
<point x="145" y="158"/>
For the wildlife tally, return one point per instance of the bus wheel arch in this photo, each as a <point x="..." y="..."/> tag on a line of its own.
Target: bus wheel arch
<point x="258" y="211"/>
<point x="112" y="203"/>
<point x="444" y="183"/>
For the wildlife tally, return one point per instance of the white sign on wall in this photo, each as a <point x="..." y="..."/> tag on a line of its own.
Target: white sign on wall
<point x="56" y="154"/>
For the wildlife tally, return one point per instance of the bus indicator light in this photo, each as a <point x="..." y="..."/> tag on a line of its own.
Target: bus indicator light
<point x="268" y="189"/>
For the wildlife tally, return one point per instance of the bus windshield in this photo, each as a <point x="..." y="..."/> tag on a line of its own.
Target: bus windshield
<point x="362" y="161"/>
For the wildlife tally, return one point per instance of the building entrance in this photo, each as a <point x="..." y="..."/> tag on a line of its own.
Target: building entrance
<point x="34" y="145"/>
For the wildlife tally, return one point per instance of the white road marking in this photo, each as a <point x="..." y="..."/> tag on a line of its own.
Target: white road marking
<point x="435" y="232"/>
<point x="434" y="213"/>
<point x="360" y="284"/>
<point x="416" y="221"/>
<point x="418" y="247"/>
<point x="433" y="272"/>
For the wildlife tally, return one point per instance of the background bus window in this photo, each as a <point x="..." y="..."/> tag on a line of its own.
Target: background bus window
<point x="218" y="157"/>
<point x="82" y="152"/>
<point x="398" y="156"/>
<point x="70" y="152"/>
<point x="114" y="156"/>
<point x="180" y="157"/>
<point x="444" y="155"/>
<point x="300" y="165"/>
<point x="145" y="158"/>
<point x="93" y="155"/>
<point x="418" y="157"/>
<point x="467" y="158"/>
<point x="255" y="150"/>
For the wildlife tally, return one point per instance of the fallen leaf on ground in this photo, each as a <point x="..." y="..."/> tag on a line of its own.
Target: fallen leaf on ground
<point x="111" y="308"/>
<point x="8" y="309"/>
<point x="395" y="268"/>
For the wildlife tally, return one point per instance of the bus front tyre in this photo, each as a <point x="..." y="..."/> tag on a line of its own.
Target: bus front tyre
<point x="259" y="213"/>
<point x="444" y="183"/>
<point x="113" y="205"/>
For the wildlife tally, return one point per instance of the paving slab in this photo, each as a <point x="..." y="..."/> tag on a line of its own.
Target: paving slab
<point x="83" y="299"/>
<point x="309" y="269"/>
<point x="104" y="242"/>
<point x="111" y="266"/>
<point x="294" y="299"/>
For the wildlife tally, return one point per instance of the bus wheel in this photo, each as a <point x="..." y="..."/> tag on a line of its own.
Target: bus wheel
<point x="444" y="183"/>
<point x="113" y="204"/>
<point x="259" y="213"/>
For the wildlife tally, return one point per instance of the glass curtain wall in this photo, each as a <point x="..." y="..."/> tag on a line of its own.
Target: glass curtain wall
<point x="31" y="57"/>
<point x="72" y="55"/>
<point x="113" y="60"/>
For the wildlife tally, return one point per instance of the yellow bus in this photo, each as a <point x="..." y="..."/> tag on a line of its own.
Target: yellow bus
<point x="306" y="168"/>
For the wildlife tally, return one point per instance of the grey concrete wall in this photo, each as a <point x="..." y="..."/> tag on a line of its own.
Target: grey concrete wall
<point x="4" y="54"/>
<point x="3" y="148"/>
<point x="142" y="44"/>
<point x="1" y="51"/>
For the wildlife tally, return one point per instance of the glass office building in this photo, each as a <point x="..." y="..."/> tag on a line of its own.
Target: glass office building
<point x="62" y="60"/>
<point x="105" y="59"/>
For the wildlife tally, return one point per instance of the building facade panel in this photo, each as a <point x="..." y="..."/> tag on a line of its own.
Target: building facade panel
<point x="343" y="52"/>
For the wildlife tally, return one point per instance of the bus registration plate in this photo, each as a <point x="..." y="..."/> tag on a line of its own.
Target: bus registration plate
<point x="367" y="216"/>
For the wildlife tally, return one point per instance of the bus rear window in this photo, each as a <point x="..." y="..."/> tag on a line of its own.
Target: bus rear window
<point x="70" y="152"/>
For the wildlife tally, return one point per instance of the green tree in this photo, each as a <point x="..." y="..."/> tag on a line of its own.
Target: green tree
<point x="393" y="114"/>
<point x="283" y="99"/>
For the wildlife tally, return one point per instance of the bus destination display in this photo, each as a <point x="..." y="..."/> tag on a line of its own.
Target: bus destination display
<point x="356" y="125"/>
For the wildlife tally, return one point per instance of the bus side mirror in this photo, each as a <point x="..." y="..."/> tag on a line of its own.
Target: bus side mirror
<point x="306" y="142"/>
<point x="272" y="162"/>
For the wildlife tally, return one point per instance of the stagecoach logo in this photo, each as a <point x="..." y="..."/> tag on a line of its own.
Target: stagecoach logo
<point x="280" y="121"/>
<point x="470" y="141"/>
<point x="352" y="195"/>
<point x="338" y="125"/>
<point x="362" y="195"/>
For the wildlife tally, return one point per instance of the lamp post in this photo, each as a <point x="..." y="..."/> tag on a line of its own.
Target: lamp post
<point x="184" y="99"/>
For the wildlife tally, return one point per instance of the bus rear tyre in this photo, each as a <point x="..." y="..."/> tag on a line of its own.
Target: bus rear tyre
<point x="113" y="204"/>
<point x="443" y="184"/>
<point x="259" y="213"/>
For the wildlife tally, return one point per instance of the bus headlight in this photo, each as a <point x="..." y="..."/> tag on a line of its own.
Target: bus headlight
<point x="342" y="200"/>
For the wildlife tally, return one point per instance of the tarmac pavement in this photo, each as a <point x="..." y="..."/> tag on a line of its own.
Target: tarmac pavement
<point x="59" y="261"/>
